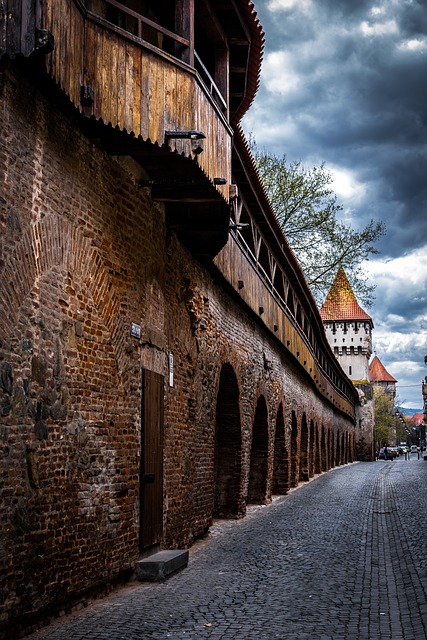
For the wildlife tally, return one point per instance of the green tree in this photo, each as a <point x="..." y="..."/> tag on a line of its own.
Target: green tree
<point x="385" y="421"/>
<point x="403" y="428"/>
<point x="308" y="212"/>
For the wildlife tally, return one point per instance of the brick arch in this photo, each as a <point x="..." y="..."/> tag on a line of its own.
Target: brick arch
<point x="280" y="484"/>
<point x="352" y="447"/>
<point x="228" y="447"/>
<point x="294" y="450"/>
<point x="331" y="448"/>
<point x="323" y="450"/>
<point x="311" y="448"/>
<point x="317" y="450"/>
<point x="50" y="243"/>
<point x="304" y="450"/>
<point x="257" y="488"/>
<point x="343" y="448"/>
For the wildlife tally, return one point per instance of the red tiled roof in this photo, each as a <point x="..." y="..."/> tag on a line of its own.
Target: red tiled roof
<point x="341" y="303"/>
<point x="378" y="372"/>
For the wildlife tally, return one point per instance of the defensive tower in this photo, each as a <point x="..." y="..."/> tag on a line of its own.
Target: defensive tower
<point x="348" y="328"/>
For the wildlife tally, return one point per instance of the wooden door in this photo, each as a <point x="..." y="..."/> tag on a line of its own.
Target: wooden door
<point x="151" y="467"/>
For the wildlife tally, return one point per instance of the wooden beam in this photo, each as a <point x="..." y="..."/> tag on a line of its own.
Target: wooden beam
<point x="184" y="26"/>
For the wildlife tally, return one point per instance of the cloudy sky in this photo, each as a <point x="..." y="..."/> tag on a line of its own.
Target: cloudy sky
<point x="346" y="83"/>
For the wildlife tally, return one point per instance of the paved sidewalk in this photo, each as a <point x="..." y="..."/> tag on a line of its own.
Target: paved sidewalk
<point x="341" y="557"/>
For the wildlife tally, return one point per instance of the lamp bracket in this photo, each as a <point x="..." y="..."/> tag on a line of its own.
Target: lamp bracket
<point x="191" y="134"/>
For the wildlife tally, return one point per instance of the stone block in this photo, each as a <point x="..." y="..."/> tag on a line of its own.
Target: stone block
<point x="161" y="565"/>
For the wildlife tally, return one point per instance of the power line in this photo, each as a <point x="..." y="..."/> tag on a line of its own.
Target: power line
<point x="406" y="386"/>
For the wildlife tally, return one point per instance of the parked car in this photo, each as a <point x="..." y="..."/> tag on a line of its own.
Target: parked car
<point x="382" y="455"/>
<point x="414" y="448"/>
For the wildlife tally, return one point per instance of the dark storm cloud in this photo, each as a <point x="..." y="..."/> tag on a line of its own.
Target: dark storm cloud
<point x="345" y="83"/>
<point x="352" y="92"/>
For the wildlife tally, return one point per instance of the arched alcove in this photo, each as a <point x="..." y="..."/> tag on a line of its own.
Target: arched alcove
<point x="228" y="447"/>
<point x="294" y="450"/>
<point x="257" y="489"/>
<point x="323" y="450"/>
<point x="280" y="484"/>
<point x="303" y="458"/>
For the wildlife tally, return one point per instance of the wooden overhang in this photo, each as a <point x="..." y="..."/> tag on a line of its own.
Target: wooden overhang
<point x="61" y="40"/>
<point x="246" y="42"/>
<point x="195" y="210"/>
<point x="246" y="177"/>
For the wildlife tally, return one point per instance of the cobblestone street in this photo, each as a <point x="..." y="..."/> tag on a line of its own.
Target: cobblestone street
<point x="341" y="557"/>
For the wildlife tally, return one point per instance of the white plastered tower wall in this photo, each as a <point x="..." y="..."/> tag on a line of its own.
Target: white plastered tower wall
<point x="352" y="345"/>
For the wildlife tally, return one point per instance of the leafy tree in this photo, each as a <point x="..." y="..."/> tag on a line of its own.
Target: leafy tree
<point x="308" y="212"/>
<point x="403" y="427"/>
<point x="385" y="421"/>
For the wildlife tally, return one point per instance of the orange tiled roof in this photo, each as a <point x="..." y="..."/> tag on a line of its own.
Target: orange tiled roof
<point x="341" y="303"/>
<point x="378" y="372"/>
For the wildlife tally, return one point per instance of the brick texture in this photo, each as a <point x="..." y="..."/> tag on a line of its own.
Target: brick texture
<point x="84" y="253"/>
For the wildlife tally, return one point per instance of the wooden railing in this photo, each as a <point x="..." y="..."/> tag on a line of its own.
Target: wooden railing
<point x="209" y="83"/>
<point x="175" y="44"/>
<point x="140" y="20"/>
<point x="315" y="359"/>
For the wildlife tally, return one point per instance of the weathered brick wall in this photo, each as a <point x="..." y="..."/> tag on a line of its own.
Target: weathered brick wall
<point x="209" y="330"/>
<point x="85" y="252"/>
<point x="81" y="258"/>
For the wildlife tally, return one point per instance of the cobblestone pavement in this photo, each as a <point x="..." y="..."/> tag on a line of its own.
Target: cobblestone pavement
<point x="341" y="557"/>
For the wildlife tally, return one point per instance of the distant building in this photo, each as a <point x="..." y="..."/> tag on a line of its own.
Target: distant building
<point x="349" y="332"/>
<point x="417" y="419"/>
<point x="379" y="376"/>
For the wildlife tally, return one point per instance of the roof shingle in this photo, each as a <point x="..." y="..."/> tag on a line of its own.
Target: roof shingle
<point x="378" y="372"/>
<point x="341" y="303"/>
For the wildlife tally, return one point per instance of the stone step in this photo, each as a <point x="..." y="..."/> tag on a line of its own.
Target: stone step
<point x="161" y="565"/>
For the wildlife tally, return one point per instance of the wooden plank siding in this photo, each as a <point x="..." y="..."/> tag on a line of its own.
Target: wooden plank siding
<point x="254" y="292"/>
<point x="136" y="88"/>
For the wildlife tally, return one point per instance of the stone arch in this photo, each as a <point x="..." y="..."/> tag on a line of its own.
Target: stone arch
<point x="257" y="488"/>
<point x="228" y="448"/>
<point x="280" y="484"/>
<point x="304" y="460"/>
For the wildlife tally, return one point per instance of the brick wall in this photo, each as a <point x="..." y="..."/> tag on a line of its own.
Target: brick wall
<point x="84" y="253"/>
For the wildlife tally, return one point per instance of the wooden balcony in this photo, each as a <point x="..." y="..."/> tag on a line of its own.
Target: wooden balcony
<point x="162" y="88"/>
<point x="259" y="265"/>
